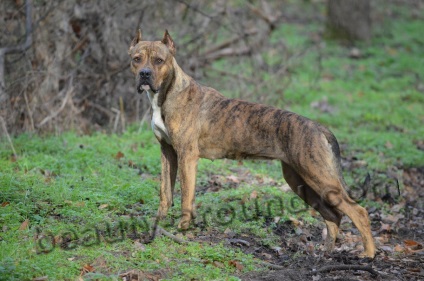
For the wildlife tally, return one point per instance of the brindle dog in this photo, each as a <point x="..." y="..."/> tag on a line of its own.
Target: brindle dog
<point x="192" y="121"/>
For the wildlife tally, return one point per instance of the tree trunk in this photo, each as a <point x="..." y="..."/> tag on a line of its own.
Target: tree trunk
<point x="349" y="20"/>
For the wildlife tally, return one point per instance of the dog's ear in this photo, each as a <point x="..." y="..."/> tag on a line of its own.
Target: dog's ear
<point x="167" y="40"/>
<point x="136" y="39"/>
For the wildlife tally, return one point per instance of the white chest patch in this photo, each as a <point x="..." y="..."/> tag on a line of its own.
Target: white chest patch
<point x="158" y="126"/>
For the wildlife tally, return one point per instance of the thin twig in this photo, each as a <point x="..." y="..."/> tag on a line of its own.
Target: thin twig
<point x="100" y="108"/>
<point x="62" y="106"/>
<point x="265" y="14"/>
<point x="3" y="123"/>
<point x="162" y="231"/>
<point x="115" y="124"/>
<point x="212" y="18"/>
<point x="228" y="73"/>
<point x="271" y="265"/>
<point x="228" y="52"/>
<point x="144" y="119"/>
<point x="122" y="114"/>
<point x="31" y="120"/>
<point x="329" y="268"/>
<point x="158" y="231"/>
<point x="229" y="42"/>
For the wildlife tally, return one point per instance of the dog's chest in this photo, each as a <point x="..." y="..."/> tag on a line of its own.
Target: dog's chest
<point x="158" y="126"/>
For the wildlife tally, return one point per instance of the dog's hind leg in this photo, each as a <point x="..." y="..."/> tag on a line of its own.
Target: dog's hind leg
<point x="330" y="186"/>
<point x="331" y="215"/>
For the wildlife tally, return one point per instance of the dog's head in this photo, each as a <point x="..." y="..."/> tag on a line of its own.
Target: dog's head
<point x="152" y="62"/>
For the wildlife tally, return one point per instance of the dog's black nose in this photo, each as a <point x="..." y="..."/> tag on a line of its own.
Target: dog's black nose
<point x="145" y="73"/>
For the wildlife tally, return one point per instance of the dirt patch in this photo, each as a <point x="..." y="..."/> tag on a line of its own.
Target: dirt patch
<point x="397" y="225"/>
<point x="398" y="228"/>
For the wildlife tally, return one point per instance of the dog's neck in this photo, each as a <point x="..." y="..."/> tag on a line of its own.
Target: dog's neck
<point x="176" y="84"/>
<point x="181" y="81"/>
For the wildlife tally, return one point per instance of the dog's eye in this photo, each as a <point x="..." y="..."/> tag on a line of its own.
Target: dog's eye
<point x="158" y="61"/>
<point x="137" y="59"/>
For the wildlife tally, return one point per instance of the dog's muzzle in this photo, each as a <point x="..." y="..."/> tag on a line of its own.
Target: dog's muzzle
<point x="145" y="81"/>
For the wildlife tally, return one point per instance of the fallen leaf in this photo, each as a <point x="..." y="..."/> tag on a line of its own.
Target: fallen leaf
<point x="57" y="239"/>
<point x="313" y="213"/>
<point x="382" y="239"/>
<point x="385" y="227"/>
<point x="254" y="194"/>
<point x="139" y="246"/>
<point x="71" y="259"/>
<point x="414" y="269"/>
<point x="80" y="204"/>
<point x="119" y="155"/>
<point x="266" y="256"/>
<point x="228" y="231"/>
<point x="13" y="158"/>
<point x="398" y="207"/>
<point x="134" y="147"/>
<point x="236" y="264"/>
<point x="295" y="222"/>
<point x="42" y="278"/>
<point x="389" y="145"/>
<point x="152" y="277"/>
<point x="413" y="245"/>
<point x="218" y="264"/>
<point x="310" y="248"/>
<point x="86" y="269"/>
<point x="392" y="218"/>
<point x="4" y="204"/>
<point x="410" y="243"/>
<point x="398" y="248"/>
<point x="285" y="188"/>
<point x="391" y="51"/>
<point x="103" y="206"/>
<point x="355" y="53"/>
<point x="24" y="225"/>
<point x="233" y="179"/>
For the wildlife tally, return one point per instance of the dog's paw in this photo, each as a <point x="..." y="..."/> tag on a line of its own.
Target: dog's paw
<point x="329" y="245"/>
<point x="162" y="212"/>
<point x="370" y="255"/>
<point x="184" y="223"/>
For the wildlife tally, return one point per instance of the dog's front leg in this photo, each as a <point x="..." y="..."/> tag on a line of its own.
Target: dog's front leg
<point x="168" y="176"/>
<point x="188" y="167"/>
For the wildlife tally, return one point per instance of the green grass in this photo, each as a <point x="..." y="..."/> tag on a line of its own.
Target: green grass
<point x="66" y="186"/>
<point x="70" y="185"/>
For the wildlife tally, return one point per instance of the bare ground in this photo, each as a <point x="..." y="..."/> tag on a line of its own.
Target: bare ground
<point x="397" y="226"/>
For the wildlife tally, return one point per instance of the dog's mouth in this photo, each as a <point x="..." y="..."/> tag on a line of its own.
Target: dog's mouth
<point x="144" y="85"/>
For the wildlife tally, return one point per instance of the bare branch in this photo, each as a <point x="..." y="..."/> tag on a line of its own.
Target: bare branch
<point x="346" y="267"/>
<point x="229" y="42"/>
<point x="68" y="96"/>
<point x="3" y="123"/>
